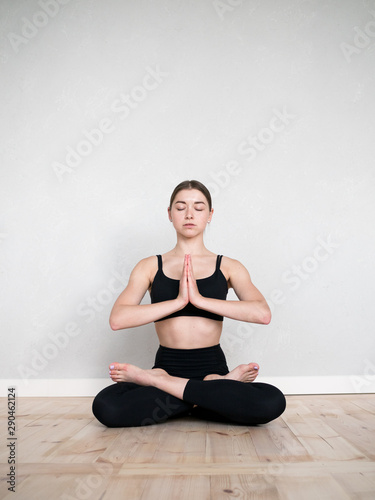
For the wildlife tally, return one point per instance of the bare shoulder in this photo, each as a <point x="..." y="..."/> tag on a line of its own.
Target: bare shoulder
<point x="140" y="280"/>
<point x="148" y="262"/>
<point x="233" y="270"/>
<point x="233" y="265"/>
<point x="146" y="268"/>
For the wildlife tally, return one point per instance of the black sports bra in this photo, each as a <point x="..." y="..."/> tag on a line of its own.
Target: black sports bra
<point x="164" y="288"/>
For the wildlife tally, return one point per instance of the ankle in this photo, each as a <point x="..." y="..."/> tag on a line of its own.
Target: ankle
<point x="157" y="374"/>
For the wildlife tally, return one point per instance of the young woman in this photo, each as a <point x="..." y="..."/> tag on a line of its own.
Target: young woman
<point x="188" y="287"/>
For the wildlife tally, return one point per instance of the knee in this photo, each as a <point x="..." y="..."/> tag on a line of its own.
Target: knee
<point x="274" y="407"/>
<point x="104" y="412"/>
<point x="270" y="405"/>
<point x="280" y="402"/>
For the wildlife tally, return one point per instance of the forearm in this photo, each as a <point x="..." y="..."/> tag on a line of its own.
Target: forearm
<point x="251" y="311"/>
<point x="131" y="316"/>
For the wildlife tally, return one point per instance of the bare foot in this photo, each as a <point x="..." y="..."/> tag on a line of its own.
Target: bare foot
<point x="242" y="373"/>
<point x="124" y="372"/>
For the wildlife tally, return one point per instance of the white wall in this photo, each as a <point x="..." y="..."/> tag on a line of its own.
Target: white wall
<point x="106" y="106"/>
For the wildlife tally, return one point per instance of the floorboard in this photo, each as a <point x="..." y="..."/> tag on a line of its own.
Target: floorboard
<point x="322" y="447"/>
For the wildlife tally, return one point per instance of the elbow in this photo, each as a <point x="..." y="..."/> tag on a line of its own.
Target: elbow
<point x="261" y="315"/>
<point x="266" y="320"/>
<point x="117" y="318"/>
<point x="113" y="324"/>
<point x="266" y="316"/>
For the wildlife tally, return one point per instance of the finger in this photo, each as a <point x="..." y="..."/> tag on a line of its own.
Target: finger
<point x="187" y="267"/>
<point x="191" y="271"/>
<point x="184" y="271"/>
<point x="189" y="264"/>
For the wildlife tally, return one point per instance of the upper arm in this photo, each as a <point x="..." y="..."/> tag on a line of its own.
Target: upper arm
<point x="240" y="281"/>
<point x="138" y="284"/>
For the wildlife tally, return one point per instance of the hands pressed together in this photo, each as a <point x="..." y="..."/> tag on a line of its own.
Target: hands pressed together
<point x="188" y="286"/>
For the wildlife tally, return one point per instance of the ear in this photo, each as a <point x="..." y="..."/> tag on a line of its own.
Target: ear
<point x="169" y="214"/>
<point x="211" y="214"/>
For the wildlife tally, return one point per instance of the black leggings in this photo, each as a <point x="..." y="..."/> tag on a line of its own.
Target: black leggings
<point x="125" y="404"/>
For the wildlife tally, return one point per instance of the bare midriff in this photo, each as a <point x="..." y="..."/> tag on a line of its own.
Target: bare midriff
<point x="188" y="332"/>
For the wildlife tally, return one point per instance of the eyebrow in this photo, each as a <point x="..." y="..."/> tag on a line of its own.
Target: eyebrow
<point x="195" y="203"/>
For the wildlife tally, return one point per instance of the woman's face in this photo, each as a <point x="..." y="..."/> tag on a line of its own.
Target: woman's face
<point x="190" y="212"/>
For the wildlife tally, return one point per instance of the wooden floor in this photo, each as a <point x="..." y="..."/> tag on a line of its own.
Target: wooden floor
<point x="323" y="447"/>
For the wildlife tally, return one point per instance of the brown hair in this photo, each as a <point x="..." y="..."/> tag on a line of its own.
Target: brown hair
<point x="192" y="185"/>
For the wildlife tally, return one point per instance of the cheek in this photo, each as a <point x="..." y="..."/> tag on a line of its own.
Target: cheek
<point x="177" y="217"/>
<point x="204" y="216"/>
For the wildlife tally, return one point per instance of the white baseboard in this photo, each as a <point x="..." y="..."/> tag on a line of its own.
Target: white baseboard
<point x="351" y="384"/>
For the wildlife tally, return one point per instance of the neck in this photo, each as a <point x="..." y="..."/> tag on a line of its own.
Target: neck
<point x="192" y="246"/>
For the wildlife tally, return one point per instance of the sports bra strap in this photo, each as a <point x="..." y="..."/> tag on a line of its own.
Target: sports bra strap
<point x="218" y="262"/>
<point x="160" y="263"/>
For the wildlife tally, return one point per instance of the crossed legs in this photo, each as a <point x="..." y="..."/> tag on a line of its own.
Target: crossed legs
<point x="142" y="397"/>
<point x="157" y="377"/>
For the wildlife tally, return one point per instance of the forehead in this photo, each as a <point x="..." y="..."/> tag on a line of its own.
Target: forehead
<point x="190" y="195"/>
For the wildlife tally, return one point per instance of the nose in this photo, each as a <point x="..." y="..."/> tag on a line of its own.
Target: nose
<point x="189" y="213"/>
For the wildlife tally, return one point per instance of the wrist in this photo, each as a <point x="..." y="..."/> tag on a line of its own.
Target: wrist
<point x="180" y="303"/>
<point x="199" y="301"/>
